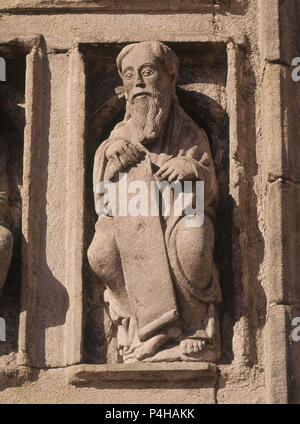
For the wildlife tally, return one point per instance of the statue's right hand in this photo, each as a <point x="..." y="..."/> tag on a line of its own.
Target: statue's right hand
<point x="123" y="150"/>
<point x="116" y="147"/>
<point x="122" y="154"/>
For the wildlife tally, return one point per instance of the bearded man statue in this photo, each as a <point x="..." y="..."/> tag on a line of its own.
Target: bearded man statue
<point x="161" y="281"/>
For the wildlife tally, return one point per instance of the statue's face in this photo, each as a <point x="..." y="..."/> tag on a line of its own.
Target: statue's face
<point x="144" y="76"/>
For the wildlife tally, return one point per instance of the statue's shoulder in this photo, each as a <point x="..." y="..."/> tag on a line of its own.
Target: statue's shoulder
<point x="101" y="148"/>
<point x="120" y="131"/>
<point x="123" y="130"/>
<point x="113" y="135"/>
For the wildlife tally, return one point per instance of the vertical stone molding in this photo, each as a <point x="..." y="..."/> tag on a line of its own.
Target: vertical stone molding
<point x="280" y="180"/>
<point x="75" y="207"/>
<point x="31" y="201"/>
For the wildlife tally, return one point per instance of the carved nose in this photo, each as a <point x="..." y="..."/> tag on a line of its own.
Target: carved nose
<point x="140" y="84"/>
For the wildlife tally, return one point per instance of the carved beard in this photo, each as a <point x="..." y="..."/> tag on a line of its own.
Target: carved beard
<point x="148" y="115"/>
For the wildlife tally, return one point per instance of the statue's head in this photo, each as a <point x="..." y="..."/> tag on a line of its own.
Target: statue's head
<point x="149" y="71"/>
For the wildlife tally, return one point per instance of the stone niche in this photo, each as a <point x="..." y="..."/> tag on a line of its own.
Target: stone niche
<point x="61" y="100"/>
<point x="214" y="74"/>
<point x="202" y="93"/>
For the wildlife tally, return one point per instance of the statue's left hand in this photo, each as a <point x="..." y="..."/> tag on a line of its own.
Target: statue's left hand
<point x="178" y="169"/>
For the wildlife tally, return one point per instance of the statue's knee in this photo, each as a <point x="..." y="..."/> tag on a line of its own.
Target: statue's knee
<point x="6" y="243"/>
<point x="195" y="251"/>
<point x="102" y="253"/>
<point x="92" y="255"/>
<point x="190" y="241"/>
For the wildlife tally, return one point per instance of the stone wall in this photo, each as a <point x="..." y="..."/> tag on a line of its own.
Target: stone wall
<point x="235" y="81"/>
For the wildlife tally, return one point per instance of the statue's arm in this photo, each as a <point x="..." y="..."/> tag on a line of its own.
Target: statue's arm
<point x="200" y="156"/>
<point x="113" y="157"/>
<point x="203" y="155"/>
<point x="193" y="162"/>
<point x="100" y="165"/>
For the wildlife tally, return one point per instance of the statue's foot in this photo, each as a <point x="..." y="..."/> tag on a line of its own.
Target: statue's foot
<point x="145" y="349"/>
<point x="142" y="350"/>
<point x="192" y="346"/>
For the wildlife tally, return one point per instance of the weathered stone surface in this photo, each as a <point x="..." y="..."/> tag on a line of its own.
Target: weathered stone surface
<point x="238" y="385"/>
<point x="280" y="97"/>
<point x="277" y="358"/>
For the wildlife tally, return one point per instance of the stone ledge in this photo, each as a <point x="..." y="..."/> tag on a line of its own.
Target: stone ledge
<point x="79" y="375"/>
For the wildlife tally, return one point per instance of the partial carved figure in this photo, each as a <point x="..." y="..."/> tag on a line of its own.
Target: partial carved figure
<point x="161" y="282"/>
<point x="6" y="238"/>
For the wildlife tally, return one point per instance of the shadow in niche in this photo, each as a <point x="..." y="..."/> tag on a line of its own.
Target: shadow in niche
<point x="235" y="7"/>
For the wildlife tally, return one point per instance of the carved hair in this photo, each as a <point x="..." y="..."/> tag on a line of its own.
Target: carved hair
<point x="160" y="51"/>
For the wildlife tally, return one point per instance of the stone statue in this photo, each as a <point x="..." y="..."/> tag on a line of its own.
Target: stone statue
<point x="6" y="238"/>
<point x="161" y="282"/>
